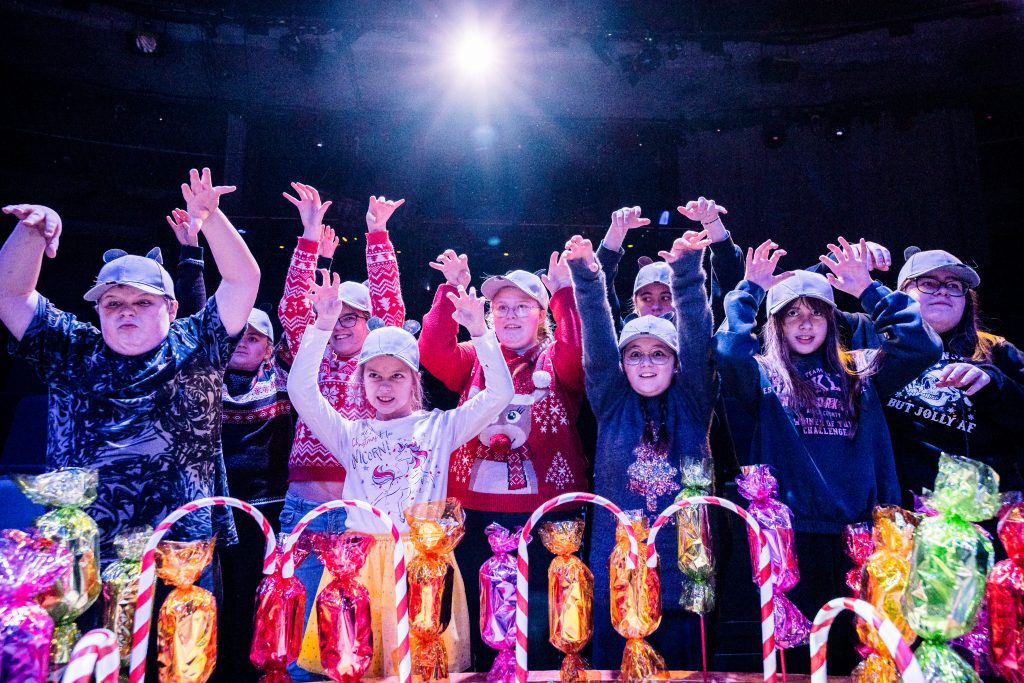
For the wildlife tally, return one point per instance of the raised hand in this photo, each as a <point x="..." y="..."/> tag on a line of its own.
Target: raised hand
<point x="42" y="218"/>
<point x="970" y="378"/>
<point x="185" y="229"/>
<point x="379" y="212"/>
<point x="690" y="241"/>
<point x="849" y="267"/>
<point x="579" y="249"/>
<point x="469" y="310"/>
<point x="328" y="242"/>
<point x="879" y="257"/>
<point x="558" y="274"/>
<point x="628" y="218"/>
<point x="455" y="268"/>
<point x="326" y="299"/>
<point x="704" y="210"/>
<point x="761" y="265"/>
<point x="311" y="209"/>
<point x="202" y="197"/>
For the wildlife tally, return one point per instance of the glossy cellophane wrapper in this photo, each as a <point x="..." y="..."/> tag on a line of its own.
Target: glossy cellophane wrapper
<point x="950" y="561"/>
<point x="435" y="528"/>
<point x="570" y="596"/>
<point x="885" y="577"/>
<point x="1005" y="598"/>
<point x="68" y="490"/>
<point x="859" y="544"/>
<point x="635" y="596"/>
<point x="277" y="625"/>
<point x="121" y="587"/>
<point x="29" y="565"/>
<point x="343" y="606"/>
<point x="498" y="601"/>
<point x="187" y="623"/>
<point x="696" y="557"/>
<point x="757" y="484"/>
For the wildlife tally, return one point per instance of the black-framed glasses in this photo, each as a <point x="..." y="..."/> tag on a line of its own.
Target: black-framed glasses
<point x="930" y="285"/>
<point x="351" y="319"/>
<point x="656" y="357"/>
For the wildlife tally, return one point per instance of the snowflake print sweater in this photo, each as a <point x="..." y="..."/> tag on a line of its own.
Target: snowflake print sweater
<point x="395" y="463"/>
<point x="533" y="451"/>
<point x="310" y="460"/>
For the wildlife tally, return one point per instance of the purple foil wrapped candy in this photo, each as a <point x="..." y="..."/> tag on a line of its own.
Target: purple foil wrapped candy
<point x="498" y="601"/>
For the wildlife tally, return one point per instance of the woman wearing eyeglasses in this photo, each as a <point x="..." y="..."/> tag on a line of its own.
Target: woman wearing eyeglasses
<point x="971" y="402"/>
<point x="652" y="390"/>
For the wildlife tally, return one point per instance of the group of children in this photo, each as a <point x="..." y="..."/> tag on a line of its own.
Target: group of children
<point x="850" y="409"/>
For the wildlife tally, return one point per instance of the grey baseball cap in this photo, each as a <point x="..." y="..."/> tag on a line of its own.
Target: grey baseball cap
<point x="527" y="282"/>
<point x="145" y="273"/>
<point x="391" y="341"/>
<point x="650" y="326"/>
<point x="355" y="294"/>
<point x="260" y="321"/>
<point x="658" y="271"/>
<point x="803" y="284"/>
<point x="923" y="262"/>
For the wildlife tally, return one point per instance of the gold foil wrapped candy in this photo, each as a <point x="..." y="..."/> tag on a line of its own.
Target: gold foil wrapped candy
<point x="68" y="490"/>
<point x="121" y="587"/>
<point x="635" y="602"/>
<point x="570" y="596"/>
<point x="187" y="625"/>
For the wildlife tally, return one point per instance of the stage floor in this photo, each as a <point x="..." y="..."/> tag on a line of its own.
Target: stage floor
<point x="612" y="677"/>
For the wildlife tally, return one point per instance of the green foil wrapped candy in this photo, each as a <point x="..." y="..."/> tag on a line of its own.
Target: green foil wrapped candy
<point x="121" y="588"/>
<point x="696" y="557"/>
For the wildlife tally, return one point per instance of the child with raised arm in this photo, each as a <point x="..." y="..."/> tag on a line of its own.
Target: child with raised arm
<point x="400" y="456"/>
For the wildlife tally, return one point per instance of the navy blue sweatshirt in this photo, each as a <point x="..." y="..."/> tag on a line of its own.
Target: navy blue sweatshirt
<point x="826" y="477"/>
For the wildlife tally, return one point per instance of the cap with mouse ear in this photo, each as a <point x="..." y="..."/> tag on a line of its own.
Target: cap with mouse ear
<point x="920" y="263"/>
<point x="653" y="272"/>
<point x="145" y="273"/>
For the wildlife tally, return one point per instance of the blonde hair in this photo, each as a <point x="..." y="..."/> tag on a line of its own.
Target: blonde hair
<point x="417" y="400"/>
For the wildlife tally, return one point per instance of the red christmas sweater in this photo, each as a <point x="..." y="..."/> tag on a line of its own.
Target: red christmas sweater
<point x="310" y="460"/>
<point x="533" y="451"/>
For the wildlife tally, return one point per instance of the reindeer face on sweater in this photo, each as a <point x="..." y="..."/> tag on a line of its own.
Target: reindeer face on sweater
<point x="512" y="428"/>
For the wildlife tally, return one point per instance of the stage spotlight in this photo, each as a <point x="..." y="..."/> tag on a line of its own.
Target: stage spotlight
<point x="840" y="131"/>
<point x="146" y="41"/>
<point x="773" y="135"/>
<point x="664" y="218"/>
<point x="475" y="53"/>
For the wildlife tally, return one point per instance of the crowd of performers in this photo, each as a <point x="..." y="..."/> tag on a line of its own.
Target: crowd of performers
<point x="178" y="395"/>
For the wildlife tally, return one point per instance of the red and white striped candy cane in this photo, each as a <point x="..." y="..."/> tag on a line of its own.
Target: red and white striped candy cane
<point x="523" y="564"/>
<point x="95" y="653"/>
<point x="764" y="570"/>
<point x="401" y="587"/>
<point x="905" y="660"/>
<point x="147" y="574"/>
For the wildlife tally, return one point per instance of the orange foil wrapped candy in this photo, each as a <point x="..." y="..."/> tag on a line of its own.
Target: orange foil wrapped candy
<point x="884" y="578"/>
<point x="343" y="606"/>
<point x="635" y="602"/>
<point x="121" y="588"/>
<point x="68" y="490"/>
<point x="435" y="528"/>
<point x="277" y="628"/>
<point x="187" y="624"/>
<point x="570" y="596"/>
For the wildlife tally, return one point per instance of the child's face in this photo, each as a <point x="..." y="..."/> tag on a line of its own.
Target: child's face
<point x="653" y="299"/>
<point x="253" y="348"/>
<point x="132" y="321"/>
<point x="649" y="365"/>
<point x="389" y="384"/>
<point x="350" y="332"/>
<point x="804" y="328"/>
<point x="517" y="330"/>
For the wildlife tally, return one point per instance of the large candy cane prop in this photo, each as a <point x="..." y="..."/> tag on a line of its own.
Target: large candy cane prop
<point x="764" y="570"/>
<point x="95" y="653"/>
<point x="523" y="564"/>
<point x="401" y="587"/>
<point x="906" y="663"/>
<point x="147" y="574"/>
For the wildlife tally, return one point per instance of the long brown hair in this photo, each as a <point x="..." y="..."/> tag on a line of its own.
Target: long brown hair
<point x="970" y="339"/>
<point x="796" y="391"/>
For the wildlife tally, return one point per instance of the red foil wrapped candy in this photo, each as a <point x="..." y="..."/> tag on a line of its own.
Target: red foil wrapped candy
<point x="277" y="630"/>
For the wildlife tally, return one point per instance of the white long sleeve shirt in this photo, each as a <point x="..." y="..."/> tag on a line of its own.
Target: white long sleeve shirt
<point x="393" y="464"/>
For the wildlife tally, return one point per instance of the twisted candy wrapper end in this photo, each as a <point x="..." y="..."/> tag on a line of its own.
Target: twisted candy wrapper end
<point x="573" y="669"/>
<point x="965" y="488"/>
<point x="640" y="660"/>
<point x="66" y="487"/>
<point x="430" y="660"/>
<point x="939" y="662"/>
<point x="875" y="669"/>
<point x="792" y="628"/>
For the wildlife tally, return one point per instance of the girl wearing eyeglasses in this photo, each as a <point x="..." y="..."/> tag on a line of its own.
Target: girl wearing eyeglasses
<point x="817" y="407"/>
<point x="970" y="402"/>
<point x="652" y="390"/>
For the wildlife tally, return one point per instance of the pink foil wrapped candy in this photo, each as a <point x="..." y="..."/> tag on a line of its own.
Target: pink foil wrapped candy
<point x="498" y="602"/>
<point x="277" y="631"/>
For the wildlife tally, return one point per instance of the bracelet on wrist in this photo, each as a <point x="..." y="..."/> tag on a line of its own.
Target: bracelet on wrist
<point x="716" y="219"/>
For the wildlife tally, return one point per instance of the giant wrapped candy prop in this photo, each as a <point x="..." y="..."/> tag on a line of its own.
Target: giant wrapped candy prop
<point x="187" y="624"/>
<point x="757" y="484"/>
<point x="277" y="625"/>
<point x="435" y="528"/>
<point x="859" y="545"/>
<point x="1005" y="598"/>
<point x="635" y="596"/>
<point x="121" y="588"/>
<point x="29" y="566"/>
<point x="885" y="577"/>
<point x="696" y="557"/>
<point x="343" y="606"/>
<point x="570" y="596"/>
<point x="950" y="561"/>
<point x="68" y="491"/>
<point x="498" y="602"/>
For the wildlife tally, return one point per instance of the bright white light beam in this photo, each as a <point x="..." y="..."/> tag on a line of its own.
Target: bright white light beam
<point x="475" y="53"/>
